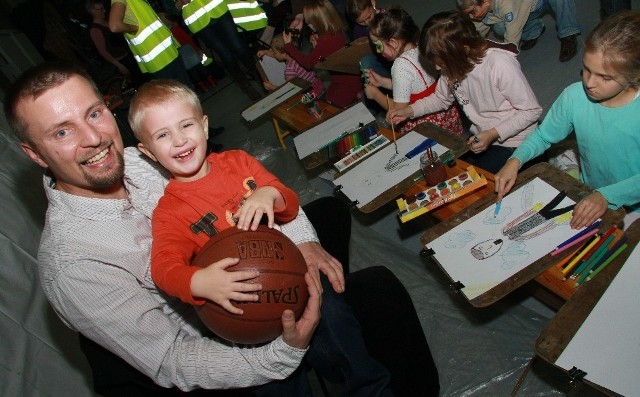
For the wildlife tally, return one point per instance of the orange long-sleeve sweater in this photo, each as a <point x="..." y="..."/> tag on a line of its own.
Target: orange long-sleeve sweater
<point x="190" y="213"/>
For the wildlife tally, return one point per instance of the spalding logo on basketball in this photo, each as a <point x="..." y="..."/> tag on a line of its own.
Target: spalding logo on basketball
<point x="282" y="268"/>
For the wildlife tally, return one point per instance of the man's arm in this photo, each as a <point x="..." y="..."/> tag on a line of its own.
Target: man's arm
<point x="110" y="306"/>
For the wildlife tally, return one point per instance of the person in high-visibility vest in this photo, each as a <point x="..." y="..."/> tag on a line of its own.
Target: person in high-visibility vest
<point x="151" y="42"/>
<point x="248" y="15"/>
<point x="212" y="23"/>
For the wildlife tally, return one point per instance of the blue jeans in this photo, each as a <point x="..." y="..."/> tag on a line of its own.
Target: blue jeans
<point x="337" y="353"/>
<point x="222" y="37"/>
<point x="565" y="16"/>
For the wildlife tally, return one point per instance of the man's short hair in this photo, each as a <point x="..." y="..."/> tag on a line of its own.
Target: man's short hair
<point x="35" y="82"/>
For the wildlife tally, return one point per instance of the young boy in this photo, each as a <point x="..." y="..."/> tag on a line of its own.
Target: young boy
<point x="292" y="68"/>
<point x="205" y="195"/>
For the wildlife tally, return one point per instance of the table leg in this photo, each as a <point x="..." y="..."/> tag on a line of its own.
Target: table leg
<point x="279" y="132"/>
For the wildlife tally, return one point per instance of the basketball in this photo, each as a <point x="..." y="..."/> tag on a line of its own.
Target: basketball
<point x="282" y="268"/>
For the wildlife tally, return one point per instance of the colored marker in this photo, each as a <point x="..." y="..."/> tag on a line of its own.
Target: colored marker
<point x="575" y="260"/>
<point x="611" y="258"/>
<point x="589" y="263"/>
<point x="574" y="242"/>
<point x="495" y="212"/>
<point x="580" y="233"/>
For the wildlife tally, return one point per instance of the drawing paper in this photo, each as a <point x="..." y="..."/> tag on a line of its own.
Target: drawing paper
<point x="273" y="70"/>
<point x="325" y="133"/>
<point x="501" y="257"/>
<point x="607" y="345"/>
<point x="271" y="101"/>
<point x="383" y="170"/>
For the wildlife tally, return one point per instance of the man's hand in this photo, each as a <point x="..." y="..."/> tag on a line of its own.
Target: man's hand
<point x="506" y="178"/>
<point x="317" y="257"/>
<point x="299" y="334"/>
<point x="588" y="210"/>
<point x="218" y="285"/>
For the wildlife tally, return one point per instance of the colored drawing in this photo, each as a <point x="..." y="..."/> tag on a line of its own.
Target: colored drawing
<point x="459" y="251"/>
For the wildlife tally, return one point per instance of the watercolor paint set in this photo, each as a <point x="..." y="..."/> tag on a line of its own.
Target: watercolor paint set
<point x="436" y="196"/>
<point x="361" y="152"/>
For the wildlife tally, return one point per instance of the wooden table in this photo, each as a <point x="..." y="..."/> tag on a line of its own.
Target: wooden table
<point x="547" y="277"/>
<point x="292" y="117"/>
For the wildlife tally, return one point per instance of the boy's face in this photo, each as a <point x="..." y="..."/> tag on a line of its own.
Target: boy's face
<point x="366" y="16"/>
<point x="478" y="12"/>
<point x="175" y="135"/>
<point x="600" y="83"/>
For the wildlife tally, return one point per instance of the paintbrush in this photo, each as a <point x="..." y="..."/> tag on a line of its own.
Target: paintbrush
<point x="393" y="130"/>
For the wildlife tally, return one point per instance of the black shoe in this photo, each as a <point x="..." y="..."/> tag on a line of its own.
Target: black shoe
<point x="215" y="131"/>
<point x="568" y="48"/>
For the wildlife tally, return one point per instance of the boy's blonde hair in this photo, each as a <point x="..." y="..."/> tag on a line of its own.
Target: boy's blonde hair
<point x="323" y="16"/>
<point x="156" y="92"/>
<point x="277" y="43"/>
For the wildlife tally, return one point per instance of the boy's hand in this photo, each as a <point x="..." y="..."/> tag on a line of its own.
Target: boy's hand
<point x="588" y="210"/>
<point x="220" y="286"/>
<point x="506" y="177"/>
<point x="299" y="334"/>
<point x="262" y="201"/>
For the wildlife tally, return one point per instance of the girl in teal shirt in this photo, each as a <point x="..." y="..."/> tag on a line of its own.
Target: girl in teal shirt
<point x="604" y="112"/>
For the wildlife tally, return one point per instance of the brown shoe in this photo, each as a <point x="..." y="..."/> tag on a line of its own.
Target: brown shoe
<point x="568" y="48"/>
<point x="528" y="44"/>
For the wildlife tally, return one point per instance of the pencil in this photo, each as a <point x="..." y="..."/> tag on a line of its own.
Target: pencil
<point x="393" y="130"/>
<point x="574" y="242"/>
<point x="609" y="260"/>
<point x="589" y="263"/>
<point x="601" y="242"/>
<point x="567" y="258"/>
<point x="575" y="260"/>
<point x="580" y="233"/>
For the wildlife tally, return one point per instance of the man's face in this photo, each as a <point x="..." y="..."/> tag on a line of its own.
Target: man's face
<point x="174" y="134"/>
<point x="478" y="12"/>
<point x="74" y="135"/>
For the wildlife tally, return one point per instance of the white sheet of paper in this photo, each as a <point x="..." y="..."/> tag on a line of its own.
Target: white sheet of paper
<point x="274" y="70"/>
<point x="607" y="345"/>
<point x="383" y="170"/>
<point x="323" y="134"/>
<point x="453" y="249"/>
<point x="270" y="101"/>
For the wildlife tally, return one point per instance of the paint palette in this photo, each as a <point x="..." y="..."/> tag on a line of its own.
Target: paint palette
<point x="444" y="192"/>
<point x="361" y="152"/>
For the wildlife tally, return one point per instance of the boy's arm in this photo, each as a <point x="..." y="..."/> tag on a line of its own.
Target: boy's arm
<point x="519" y="11"/>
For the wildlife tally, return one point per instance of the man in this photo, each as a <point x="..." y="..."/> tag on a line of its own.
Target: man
<point x="94" y="257"/>
<point x="520" y="22"/>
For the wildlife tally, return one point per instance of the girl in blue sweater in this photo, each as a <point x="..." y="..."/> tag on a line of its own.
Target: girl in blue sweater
<point x="604" y="112"/>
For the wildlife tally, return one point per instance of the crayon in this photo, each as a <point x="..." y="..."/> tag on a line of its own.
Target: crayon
<point x="582" y="253"/>
<point x="609" y="260"/>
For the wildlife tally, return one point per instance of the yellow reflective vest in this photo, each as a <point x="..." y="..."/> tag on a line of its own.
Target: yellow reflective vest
<point x="153" y="45"/>
<point x="248" y="15"/>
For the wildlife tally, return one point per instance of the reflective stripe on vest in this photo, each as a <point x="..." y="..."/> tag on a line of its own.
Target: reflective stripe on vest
<point x="248" y="14"/>
<point x="198" y="13"/>
<point x="153" y="46"/>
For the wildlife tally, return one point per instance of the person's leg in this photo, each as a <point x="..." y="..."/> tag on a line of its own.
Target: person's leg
<point x="534" y="27"/>
<point x="339" y="353"/>
<point x="331" y="218"/>
<point x="176" y="71"/>
<point x="392" y="330"/>
<point x="226" y="28"/>
<point x="610" y="7"/>
<point x="565" y="15"/>
<point x="491" y="159"/>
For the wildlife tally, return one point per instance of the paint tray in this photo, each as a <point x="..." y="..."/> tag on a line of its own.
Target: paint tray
<point x="436" y="196"/>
